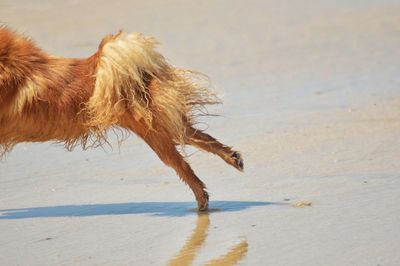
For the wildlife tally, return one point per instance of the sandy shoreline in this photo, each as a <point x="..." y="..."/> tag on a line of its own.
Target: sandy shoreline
<point x="311" y="98"/>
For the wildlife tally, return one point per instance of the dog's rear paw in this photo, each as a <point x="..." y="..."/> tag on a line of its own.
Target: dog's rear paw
<point x="238" y="161"/>
<point x="203" y="207"/>
<point x="202" y="202"/>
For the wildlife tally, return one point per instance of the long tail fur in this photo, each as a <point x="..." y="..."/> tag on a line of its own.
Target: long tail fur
<point x="127" y="63"/>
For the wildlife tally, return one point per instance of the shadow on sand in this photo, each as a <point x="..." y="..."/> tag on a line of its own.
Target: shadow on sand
<point x="152" y="208"/>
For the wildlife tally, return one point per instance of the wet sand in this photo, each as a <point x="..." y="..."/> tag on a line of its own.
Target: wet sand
<point x="311" y="98"/>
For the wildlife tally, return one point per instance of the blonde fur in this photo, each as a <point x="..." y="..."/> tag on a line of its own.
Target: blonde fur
<point x="126" y="62"/>
<point x="26" y="95"/>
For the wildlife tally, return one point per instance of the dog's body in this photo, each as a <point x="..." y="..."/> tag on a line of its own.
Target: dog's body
<point x="125" y="84"/>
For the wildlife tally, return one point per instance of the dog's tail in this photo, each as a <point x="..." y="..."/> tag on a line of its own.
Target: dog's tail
<point x="128" y="65"/>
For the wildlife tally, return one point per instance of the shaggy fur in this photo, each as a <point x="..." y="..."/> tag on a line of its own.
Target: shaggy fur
<point x="125" y="84"/>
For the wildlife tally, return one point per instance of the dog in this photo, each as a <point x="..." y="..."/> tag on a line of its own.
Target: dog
<point x="126" y="84"/>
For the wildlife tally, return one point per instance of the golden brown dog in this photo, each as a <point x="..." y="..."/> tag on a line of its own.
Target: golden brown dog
<point x="125" y="84"/>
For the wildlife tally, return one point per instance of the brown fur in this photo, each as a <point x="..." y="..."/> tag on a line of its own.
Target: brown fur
<point x="125" y="84"/>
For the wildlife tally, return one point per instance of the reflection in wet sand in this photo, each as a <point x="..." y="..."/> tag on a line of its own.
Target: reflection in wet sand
<point x="232" y="257"/>
<point x="188" y="252"/>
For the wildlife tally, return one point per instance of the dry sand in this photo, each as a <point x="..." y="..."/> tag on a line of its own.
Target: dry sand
<point x="312" y="99"/>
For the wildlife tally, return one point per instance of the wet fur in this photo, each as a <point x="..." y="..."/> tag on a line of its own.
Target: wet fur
<point x="126" y="84"/>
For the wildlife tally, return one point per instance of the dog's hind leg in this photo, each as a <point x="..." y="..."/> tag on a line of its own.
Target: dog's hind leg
<point x="163" y="145"/>
<point x="204" y="141"/>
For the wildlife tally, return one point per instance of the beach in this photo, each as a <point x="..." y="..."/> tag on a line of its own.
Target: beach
<point x="311" y="98"/>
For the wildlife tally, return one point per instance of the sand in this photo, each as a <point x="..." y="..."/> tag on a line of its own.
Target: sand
<point x="311" y="94"/>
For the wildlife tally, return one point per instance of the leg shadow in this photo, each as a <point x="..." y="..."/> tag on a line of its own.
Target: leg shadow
<point x="151" y="208"/>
